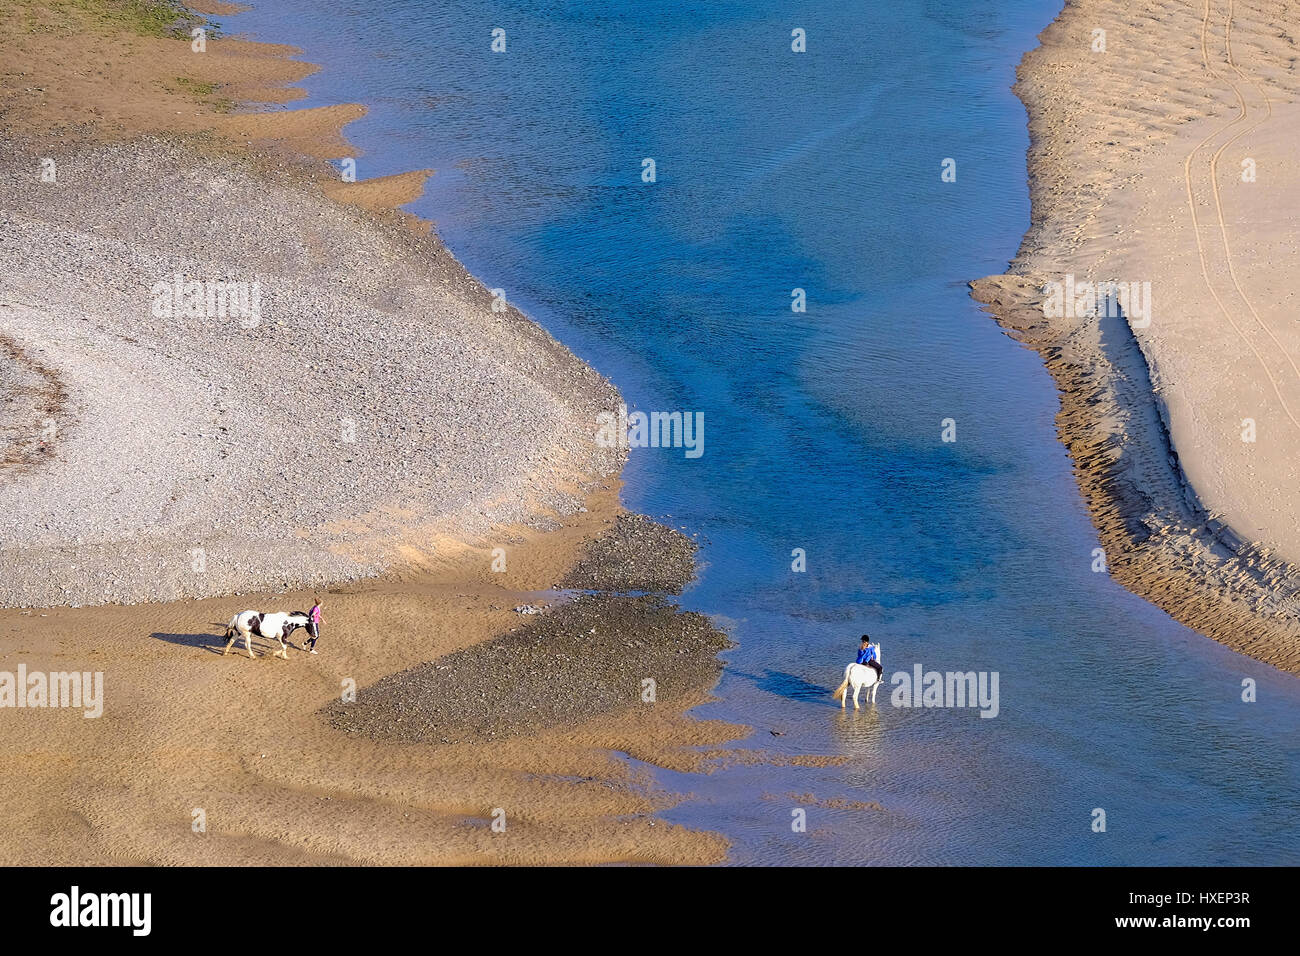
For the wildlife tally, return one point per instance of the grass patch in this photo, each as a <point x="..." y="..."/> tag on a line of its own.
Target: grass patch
<point x="196" y="87"/>
<point x="205" y="92"/>
<point x="150" y="18"/>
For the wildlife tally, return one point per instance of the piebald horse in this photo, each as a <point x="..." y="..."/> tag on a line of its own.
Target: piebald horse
<point x="274" y="627"/>
<point x="860" y="676"/>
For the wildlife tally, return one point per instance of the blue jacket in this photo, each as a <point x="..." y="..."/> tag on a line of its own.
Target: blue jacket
<point x="867" y="654"/>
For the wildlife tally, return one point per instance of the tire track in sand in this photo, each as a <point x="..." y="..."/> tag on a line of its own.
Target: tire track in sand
<point x="1243" y="114"/>
<point x="1214" y="179"/>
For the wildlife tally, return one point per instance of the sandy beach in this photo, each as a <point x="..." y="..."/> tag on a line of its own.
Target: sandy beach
<point x="1162" y="159"/>
<point x="360" y="420"/>
<point x="246" y="745"/>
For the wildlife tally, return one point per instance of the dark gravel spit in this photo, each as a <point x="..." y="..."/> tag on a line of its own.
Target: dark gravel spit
<point x="637" y="554"/>
<point x="582" y="658"/>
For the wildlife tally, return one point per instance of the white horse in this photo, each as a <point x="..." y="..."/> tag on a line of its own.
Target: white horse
<point x="860" y="676"/>
<point x="274" y="627"/>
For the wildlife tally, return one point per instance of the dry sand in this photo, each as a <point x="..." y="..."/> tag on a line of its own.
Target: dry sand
<point x="1136" y="166"/>
<point x="189" y="735"/>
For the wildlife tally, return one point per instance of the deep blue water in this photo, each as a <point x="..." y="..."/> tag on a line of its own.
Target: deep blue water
<point x="821" y="171"/>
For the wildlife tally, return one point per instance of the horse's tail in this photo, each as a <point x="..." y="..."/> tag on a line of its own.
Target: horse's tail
<point x="842" y="689"/>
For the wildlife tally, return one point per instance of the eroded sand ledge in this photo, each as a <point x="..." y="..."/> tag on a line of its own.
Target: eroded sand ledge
<point x="1136" y="163"/>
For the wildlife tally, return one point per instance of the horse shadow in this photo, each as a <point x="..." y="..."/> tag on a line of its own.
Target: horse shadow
<point x="791" y="687"/>
<point x="214" y="643"/>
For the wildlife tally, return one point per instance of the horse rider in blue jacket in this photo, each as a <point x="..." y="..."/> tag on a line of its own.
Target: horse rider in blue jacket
<point x="867" y="655"/>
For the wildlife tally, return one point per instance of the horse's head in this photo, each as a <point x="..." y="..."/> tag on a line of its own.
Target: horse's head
<point x="296" y="620"/>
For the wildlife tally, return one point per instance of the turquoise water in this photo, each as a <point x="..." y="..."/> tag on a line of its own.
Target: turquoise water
<point x="821" y="171"/>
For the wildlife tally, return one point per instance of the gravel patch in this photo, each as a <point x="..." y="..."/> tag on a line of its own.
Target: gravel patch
<point x="637" y="554"/>
<point x="32" y="400"/>
<point x="376" y="401"/>
<point x="585" y="657"/>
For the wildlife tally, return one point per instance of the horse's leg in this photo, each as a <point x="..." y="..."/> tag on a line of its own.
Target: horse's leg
<point x="856" y="687"/>
<point x="284" y="651"/>
<point x="248" y="644"/>
<point x="233" y="635"/>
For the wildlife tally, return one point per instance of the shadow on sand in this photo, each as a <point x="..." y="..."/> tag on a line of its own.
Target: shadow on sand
<point x="210" y="642"/>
